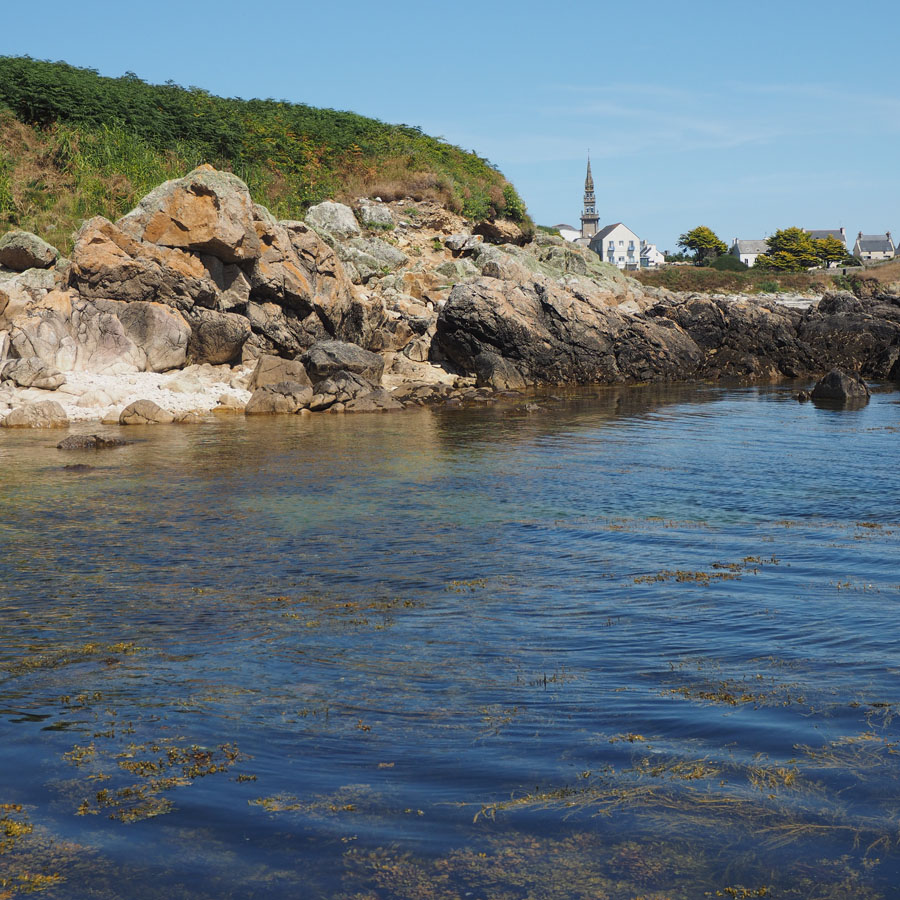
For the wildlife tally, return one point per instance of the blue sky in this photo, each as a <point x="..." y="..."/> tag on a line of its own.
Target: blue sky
<point x="742" y="117"/>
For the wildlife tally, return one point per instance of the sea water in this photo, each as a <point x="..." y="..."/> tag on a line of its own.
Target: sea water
<point x="637" y="642"/>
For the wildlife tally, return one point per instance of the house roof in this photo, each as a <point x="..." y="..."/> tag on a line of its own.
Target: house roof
<point x="567" y="227"/>
<point x="875" y="243"/>
<point x="751" y="246"/>
<point x="603" y="232"/>
<point x="826" y="232"/>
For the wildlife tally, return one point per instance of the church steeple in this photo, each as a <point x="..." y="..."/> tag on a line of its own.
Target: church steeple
<point x="589" y="218"/>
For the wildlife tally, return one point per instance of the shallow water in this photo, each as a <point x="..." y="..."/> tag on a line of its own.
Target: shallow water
<point x="638" y="644"/>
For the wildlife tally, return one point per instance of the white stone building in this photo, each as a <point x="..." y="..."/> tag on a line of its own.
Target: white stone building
<point x="874" y="246"/>
<point x="568" y="232"/>
<point x="618" y="245"/>
<point x="748" y="251"/>
<point x="651" y="258"/>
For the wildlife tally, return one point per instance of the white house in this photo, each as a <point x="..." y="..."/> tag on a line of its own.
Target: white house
<point x="568" y="232"/>
<point x="874" y="246"/>
<point x="748" y="251"/>
<point x="651" y="258"/>
<point x="619" y="245"/>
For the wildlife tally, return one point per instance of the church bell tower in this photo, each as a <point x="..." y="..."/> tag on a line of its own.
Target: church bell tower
<point x="589" y="218"/>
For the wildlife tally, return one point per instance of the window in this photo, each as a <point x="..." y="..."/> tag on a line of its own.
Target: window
<point x="621" y="243"/>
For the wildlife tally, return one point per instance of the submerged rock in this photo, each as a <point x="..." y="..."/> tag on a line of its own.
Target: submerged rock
<point x="90" y="442"/>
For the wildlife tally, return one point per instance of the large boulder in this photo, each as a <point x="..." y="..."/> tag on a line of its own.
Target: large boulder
<point x="840" y="388"/>
<point x="284" y="331"/>
<point x="207" y="211"/>
<point x="73" y="334"/>
<point x="335" y="218"/>
<point x="371" y="257"/>
<point x="108" y="263"/>
<point x="501" y="231"/>
<point x="281" y="397"/>
<point x="32" y="372"/>
<point x="329" y="357"/>
<point x="145" y="412"/>
<point x="216" y="337"/>
<point x="22" y="250"/>
<point x="232" y="282"/>
<point x="159" y="331"/>
<point x="342" y="387"/>
<point x="298" y="271"/>
<point x="374" y="214"/>
<point x="45" y="414"/>
<point x="20" y="289"/>
<point x="278" y="274"/>
<point x="273" y="369"/>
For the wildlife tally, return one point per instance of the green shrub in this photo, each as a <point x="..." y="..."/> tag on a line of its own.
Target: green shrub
<point x="727" y="263"/>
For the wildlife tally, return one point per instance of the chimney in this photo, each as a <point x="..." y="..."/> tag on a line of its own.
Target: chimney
<point x="859" y="236"/>
<point x="844" y="234"/>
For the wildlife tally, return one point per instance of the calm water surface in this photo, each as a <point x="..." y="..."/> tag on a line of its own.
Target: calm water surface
<point x="641" y="643"/>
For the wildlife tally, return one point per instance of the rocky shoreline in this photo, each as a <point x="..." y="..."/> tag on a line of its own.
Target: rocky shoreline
<point x="199" y="301"/>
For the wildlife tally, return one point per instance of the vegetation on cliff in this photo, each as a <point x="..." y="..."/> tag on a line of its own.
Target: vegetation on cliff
<point x="746" y="281"/>
<point x="75" y="144"/>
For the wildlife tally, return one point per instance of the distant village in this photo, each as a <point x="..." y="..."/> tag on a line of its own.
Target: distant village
<point x="619" y="245"/>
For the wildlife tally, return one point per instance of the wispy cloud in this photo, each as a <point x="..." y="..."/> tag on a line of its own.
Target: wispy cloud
<point x="624" y="120"/>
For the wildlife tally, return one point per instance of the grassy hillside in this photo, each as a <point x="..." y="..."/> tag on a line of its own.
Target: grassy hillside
<point x="74" y="144"/>
<point x="748" y="281"/>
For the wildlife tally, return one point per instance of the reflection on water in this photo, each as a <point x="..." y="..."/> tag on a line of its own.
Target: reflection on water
<point x="636" y="644"/>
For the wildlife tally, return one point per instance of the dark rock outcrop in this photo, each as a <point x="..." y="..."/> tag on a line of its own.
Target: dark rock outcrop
<point x="326" y="358"/>
<point x="216" y="337"/>
<point x="546" y="332"/>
